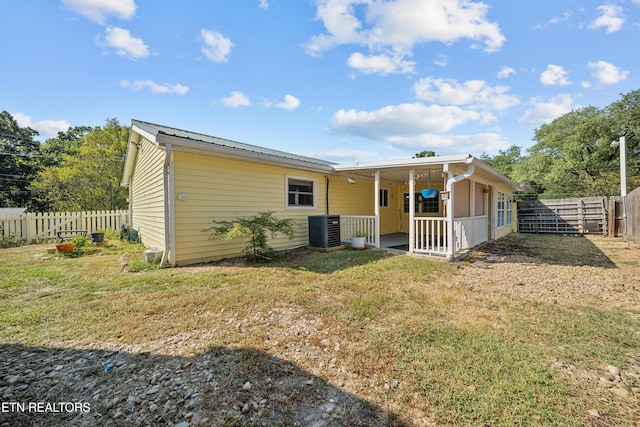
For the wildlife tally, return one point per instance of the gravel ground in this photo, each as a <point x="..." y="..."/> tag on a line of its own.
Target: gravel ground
<point x="119" y="385"/>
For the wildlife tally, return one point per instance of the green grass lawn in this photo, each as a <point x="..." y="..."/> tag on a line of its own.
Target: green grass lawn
<point x="395" y="315"/>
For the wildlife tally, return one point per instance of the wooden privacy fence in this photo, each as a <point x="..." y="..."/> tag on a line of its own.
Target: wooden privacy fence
<point x="44" y="226"/>
<point x="563" y="216"/>
<point x="631" y="217"/>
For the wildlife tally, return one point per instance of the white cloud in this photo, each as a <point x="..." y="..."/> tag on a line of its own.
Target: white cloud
<point x="237" y="99"/>
<point x="380" y="64"/>
<point x="264" y="4"/>
<point x="506" y="72"/>
<point x="612" y="18"/>
<point x="554" y="75"/>
<point x="216" y="47"/>
<point x="45" y="128"/>
<point x="607" y="73"/>
<point x="567" y="14"/>
<point x="342" y="155"/>
<point x="138" y="85"/>
<point x="546" y="111"/>
<point x="450" y="144"/>
<point x="125" y="44"/>
<point x="473" y="93"/>
<point x="290" y="103"/>
<point x="99" y="10"/>
<point x="441" y="61"/>
<point x="399" y="25"/>
<point x="399" y="122"/>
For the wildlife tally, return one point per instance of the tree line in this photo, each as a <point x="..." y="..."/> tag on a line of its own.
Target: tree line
<point x="573" y="155"/>
<point x="80" y="169"/>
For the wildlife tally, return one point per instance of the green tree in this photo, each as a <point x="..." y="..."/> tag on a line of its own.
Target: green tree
<point x="86" y="177"/>
<point x="505" y="161"/>
<point x="425" y="153"/>
<point x="67" y="142"/>
<point x="573" y="155"/>
<point x="19" y="162"/>
<point x="626" y="122"/>
<point x="255" y="230"/>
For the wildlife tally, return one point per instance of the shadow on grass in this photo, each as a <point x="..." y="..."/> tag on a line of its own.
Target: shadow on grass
<point x="570" y="250"/>
<point x="222" y="386"/>
<point x="315" y="262"/>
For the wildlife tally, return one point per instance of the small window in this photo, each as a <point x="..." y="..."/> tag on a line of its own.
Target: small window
<point x="422" y="205"/>
<point x="384" y="198"/>
<point x="509" y="210"/>
<point x="300" y="193"/>
<point x="431" y="205"/>
<point x="505" y="209"/>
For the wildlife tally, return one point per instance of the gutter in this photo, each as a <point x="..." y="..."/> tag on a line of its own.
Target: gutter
<point x="166" y="170"/>
<point x="467" y="174"/>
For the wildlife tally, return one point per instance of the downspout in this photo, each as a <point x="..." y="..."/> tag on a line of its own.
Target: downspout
<point x="167" y="208"/>
<point x="326" y="178"/>
<point x="412" y="212"/>
<point x="376" y="198"/>
<point x="172" y="211"/>
<point x="450" y="208"/>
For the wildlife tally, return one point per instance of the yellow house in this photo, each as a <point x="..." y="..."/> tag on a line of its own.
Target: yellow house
<point x="180" y="181"/>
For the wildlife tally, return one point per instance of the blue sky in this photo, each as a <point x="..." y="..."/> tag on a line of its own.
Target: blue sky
<point x="341" y="80"/>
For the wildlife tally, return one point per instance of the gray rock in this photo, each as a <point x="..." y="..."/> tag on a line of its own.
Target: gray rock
<point x="153" y="390"/>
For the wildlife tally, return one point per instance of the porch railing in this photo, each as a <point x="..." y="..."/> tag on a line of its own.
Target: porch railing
<point x="430" y="235"/>
<point x="350" y="225"/>
<point x="469" y="232"/>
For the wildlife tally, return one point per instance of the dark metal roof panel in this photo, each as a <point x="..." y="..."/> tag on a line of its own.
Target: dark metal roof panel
<point x="159" y="130"/>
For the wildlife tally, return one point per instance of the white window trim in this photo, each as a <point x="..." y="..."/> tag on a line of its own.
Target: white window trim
<point x="388" y="198"/>
<point x="506" y="211"/>
<point x="286" y="192"/>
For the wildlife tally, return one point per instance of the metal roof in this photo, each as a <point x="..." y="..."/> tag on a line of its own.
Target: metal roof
<point x="159" y="130"/>
<point x="11" y="212"/>
<point x="392" y="170"/>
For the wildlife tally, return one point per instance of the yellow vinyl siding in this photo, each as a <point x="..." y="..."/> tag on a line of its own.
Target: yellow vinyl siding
<point x="359" y="199"/>
<point x="350" y="199"/>
<point x="390" y="215"/>
<point x="209" y="188"/>
<point x="147" y="206"/>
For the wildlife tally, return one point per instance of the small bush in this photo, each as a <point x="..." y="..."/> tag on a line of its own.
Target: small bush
<point x="80" y="241"/>
<point x="10" y="241"/>
<point x="254" y="229"/>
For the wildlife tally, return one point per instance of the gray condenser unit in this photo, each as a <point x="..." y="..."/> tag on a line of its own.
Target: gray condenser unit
<point x="324" y="231"/>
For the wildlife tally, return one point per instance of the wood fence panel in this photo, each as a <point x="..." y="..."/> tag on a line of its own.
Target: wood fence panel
<point x="563" y="216"/>
<point x="632" y="217"/>
<point x="44" y="226"/>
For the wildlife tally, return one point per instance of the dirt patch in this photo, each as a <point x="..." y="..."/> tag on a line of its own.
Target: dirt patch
<point x="597" y="271"/>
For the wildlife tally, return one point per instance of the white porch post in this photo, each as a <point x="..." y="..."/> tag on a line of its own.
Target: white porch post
<point x="472" y="198"/>
<point x="450" y="207"/>
<point x="412" y="214"/>
<point x="472" y="207"/>
<point x="377" y="208"/>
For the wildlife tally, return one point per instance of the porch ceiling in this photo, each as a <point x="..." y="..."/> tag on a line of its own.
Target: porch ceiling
<point x="397" y="172"/>
<point x="397" y="176"/>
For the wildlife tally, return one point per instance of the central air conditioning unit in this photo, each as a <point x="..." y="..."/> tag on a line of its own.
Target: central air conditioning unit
<point x="324" y="231"/>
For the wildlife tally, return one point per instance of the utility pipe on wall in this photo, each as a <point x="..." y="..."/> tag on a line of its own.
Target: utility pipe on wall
<point x="165" y="186"/>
